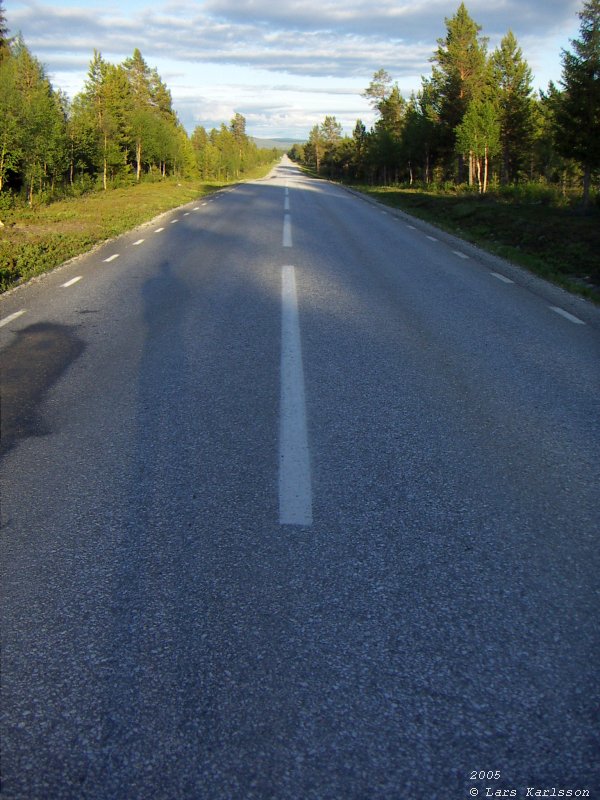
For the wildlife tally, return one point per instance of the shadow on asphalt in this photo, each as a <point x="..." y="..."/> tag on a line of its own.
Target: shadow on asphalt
<point x="29" y="367"/>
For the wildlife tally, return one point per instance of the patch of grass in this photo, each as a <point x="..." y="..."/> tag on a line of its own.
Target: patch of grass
<point x="35" y="240"/>
<point x="557" y="242"/>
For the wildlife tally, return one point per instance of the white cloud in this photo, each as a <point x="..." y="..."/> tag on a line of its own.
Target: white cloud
<point x="303" y="56"/>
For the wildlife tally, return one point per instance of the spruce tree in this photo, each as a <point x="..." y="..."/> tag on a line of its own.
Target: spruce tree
<point x="4" y="40"/>
<point x="512" y="78"/>
<point x="577" y="107"/>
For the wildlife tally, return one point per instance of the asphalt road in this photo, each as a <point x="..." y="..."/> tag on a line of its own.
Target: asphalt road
<point x="299" y="501"/>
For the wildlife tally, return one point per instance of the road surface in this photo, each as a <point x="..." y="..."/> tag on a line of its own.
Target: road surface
<point x="299" y="501"/>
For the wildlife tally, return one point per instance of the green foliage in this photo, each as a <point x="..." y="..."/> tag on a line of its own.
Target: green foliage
<point x="227" y="153"/>
<point x="475" y="120"/>
<point x="511" y="80"/>
<point x="577" y="107"/>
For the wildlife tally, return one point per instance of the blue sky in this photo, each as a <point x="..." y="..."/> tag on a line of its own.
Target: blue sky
<point x="284" y="65"/>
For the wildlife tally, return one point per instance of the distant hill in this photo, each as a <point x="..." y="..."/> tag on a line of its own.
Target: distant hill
<point x="280" y="144"/>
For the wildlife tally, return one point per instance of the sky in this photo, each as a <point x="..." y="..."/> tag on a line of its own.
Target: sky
<point x="283" y="64"/>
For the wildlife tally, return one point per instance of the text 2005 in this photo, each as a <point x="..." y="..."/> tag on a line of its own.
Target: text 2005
<point x="490" y="775"/>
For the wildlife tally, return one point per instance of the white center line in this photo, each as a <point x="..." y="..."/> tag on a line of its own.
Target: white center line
<point x="186" y="214"/>
<point x="287" y="230"/>
<point x="111" y="258"/>
<point x="459" y="254"/>
<point x="139" y="241"/>
<point x="500" y="277"/>
<point x="71" y="282"/>
<point x="173" y="221"/>
<point x="12" y="317"/>
<point x="197" y="208"/>
<point x="566" y="315"/>
<point x="412" y="227"/>
<point x="286" y="203"/>
<point x="295" y="492"/>
<point x="158" y="230"/>
<point x="432" y="238"/>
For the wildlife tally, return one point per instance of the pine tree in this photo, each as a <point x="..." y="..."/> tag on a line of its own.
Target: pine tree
<point x="577" y="107"/>
<point x="461" y="74"/>
<point x="511" y="78"/>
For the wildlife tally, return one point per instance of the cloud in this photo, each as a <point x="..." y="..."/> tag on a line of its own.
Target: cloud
<point x="318" y="51"/>
<point x="329" y="38"/>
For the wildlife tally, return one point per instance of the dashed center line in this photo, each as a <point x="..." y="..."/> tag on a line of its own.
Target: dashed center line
<point x="295" y="492"/>
<point x="71" y="282"/>
<point x="158" y="230"/>
<point x="173" y="221"/>
<point x="12" y="317"/>
<point x="139" y="241"/>
<point x="566" y="315"/>
<point x="432" y="239"/>
<point x="187" y="213"/>
<point x="459" y="254"/>
<point x="111" y="258"/>
<point x="287" y="230"/>
<point x="412" y="227"/>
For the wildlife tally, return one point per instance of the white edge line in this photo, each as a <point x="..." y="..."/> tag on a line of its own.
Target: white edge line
<point x="500" y="277"/>
<point x="12" y="317"/>
<point x="71" y="282"/>
<point x="566" y="315"/>
<point x="295" y="492"/>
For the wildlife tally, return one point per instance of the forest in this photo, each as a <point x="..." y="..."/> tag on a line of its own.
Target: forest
<point x="120" y="129"/>
<point x="476" y="121"/>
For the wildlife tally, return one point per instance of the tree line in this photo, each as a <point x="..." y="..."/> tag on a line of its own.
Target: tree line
<point x="475" y="118"/>
<point x="121" y="127"/>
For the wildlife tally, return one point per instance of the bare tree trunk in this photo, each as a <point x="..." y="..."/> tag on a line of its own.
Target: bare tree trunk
<point x="471" y="157"/>
<point x="587" y="180"/>
<point x="485" y="170"/>
<point x="138" y="158"/>
<point x="105" y="171"/>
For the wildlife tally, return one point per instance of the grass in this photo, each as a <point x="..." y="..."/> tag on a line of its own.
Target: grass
<point x="35" y="240"/>
<point x="558" y="242"/>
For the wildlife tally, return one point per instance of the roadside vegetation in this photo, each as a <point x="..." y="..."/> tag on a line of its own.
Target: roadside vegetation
<point x="73" y="173"/>
<point x="531" y="227"/>
<point x="477" y="152"/>
<point x="35" y="240"/>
